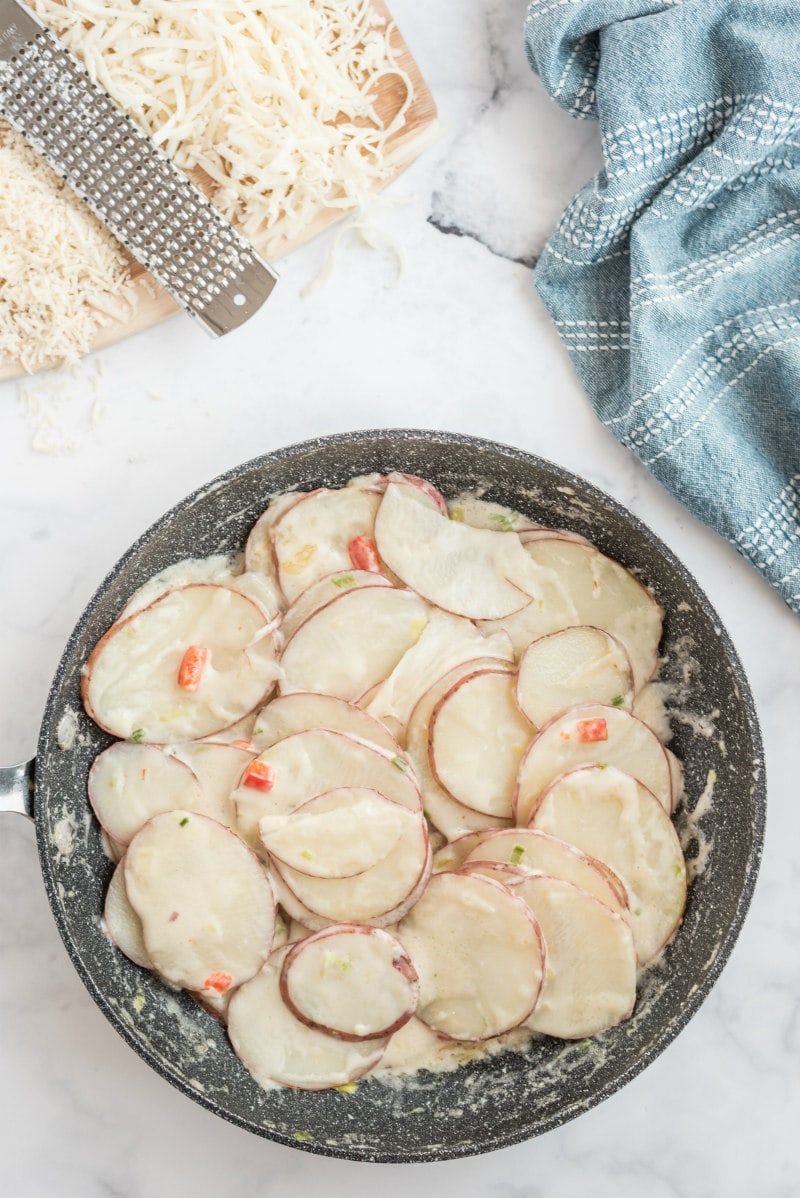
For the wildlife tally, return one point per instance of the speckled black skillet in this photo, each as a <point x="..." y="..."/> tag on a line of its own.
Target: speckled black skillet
<point x="487" y="1104"/>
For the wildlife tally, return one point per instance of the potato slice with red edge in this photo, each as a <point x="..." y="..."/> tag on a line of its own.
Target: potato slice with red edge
<point x="446" y="642"/>
<point x="312" y="537"/>
<point x="190" y="570"/>
<point x="421" y="490"/>
<point x="121" y="923"/>
<point x="607" y="596"/>
<point x="576" y="665"/>
<point x="370" y="896"/>
<point x="259" y="551"/>
<point x="532" y="849"/>
<point x="453" y="854"/>
<point x="451" y="818"/>
<point x="483" y="513"/>
<point x="130" y="683"/>
<point x="336" y="835"/>
<point x="479" y="955"/>
<point x="350" y="981"/>
<point x="477" y="738"/>
<point x="313" y="762"/>
<point x="615" y="818"/>
<point x="321" y="593"/>
<point x="591" y="735"/>
<point x="278" y="1048"/>
<point x="130" y="783"/>
<point x="304" y="710"/>
<point x="352" y="643"/>
<point x="472" y="572"/>
<point x="206" y="906"/>
<point x="218" y="768"/>
<point x="590" y="980"/>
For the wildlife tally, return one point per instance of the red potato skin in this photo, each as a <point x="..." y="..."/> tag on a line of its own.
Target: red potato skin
<point x="403" y="963"/>
<point x="90" y="787"/>
<point x="354" y="1077"/>
<point x="335" y="599"/>
<point x="362" y="715"/>
<point x="607" y="868"/>
<point x="86" y="672"/>
<point x="367" y="580"/>
<point x="545" y="728"/>
<point x="432" y="726"/>
<point x="542" y="954"/>
<point x="261" y="530"/>
<point x="421" y="484"/>
<point x="621" y="648"/>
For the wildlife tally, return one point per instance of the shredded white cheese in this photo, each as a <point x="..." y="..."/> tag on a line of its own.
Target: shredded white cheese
<point x="62" y="274"/>
<point x="273" y="100"/>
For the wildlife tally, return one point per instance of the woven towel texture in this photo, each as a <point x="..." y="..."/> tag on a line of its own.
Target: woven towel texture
<point x="674" y="276"/>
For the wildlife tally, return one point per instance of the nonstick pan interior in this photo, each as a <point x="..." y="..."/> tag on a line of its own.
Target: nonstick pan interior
<point x="489" y="1103"/>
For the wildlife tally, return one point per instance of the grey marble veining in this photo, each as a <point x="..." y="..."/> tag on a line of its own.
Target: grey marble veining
<point x="459" y="341"/>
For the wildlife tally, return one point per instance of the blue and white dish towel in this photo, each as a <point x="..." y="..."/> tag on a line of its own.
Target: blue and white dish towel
<point x="674" y="276"/>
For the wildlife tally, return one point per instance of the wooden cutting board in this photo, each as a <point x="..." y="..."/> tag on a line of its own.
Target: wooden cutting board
<point x="154" y="304"/>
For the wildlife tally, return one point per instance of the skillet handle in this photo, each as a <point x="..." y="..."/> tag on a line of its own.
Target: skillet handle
<point x="16" y="787"/>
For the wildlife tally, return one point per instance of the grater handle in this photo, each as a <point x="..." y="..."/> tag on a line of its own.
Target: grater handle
<point x="149" y="205"/>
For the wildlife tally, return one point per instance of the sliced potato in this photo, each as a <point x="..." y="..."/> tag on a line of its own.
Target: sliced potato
<point x="373" y="895"/>
<point x="121" y="923"/>
<point x="130" y="783"/>
<point x="590" y="979"/>
<point x="451" y="818"/>
<point x="320" y="594"/>
<point x="353" y="643"/>
<point x="313" y="762"/>
<point x="312" y="537"/>
<point x="592" y="735"/>
<point x="420" y="490"/>
<point x="576" y="665"/>
<point x="218" y="768"/>
<point x="351" y="981"/>
<point x="483" y="513"/>
<point x="470" y="572"/>
<point x="130" y="684"/>
<point x="446" y="642"/>
<point x="479" y="955"/>
<point x="303" y="711"/>
<point x="278" y="1048"/>
<point x="477" y="739"/>
<point x="533" y="849"/>
<point x="607" y="596"/>
<point x="615" y="818"/>
<point x="336" y="835"/>
<point x="217" y="568"/>
<point x="206" y="906"/>
<point x="259" y="551"/>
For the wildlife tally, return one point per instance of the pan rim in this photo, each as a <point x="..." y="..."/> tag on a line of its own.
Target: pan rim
<point x="440" y="1152"/>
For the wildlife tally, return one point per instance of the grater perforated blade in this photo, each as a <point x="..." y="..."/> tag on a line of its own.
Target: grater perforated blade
<point x="149" y="205"/>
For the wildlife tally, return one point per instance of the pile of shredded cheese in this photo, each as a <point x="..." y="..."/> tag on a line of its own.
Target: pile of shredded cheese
<point x="62" y="274"/>
<point x="273" y="100"/>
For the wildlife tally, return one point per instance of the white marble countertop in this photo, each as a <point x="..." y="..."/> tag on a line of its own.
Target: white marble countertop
<point x="461" y="342"/>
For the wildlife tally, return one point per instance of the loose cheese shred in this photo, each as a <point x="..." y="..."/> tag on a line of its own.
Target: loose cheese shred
<point x="274" y="101"/>
<point x="62" y="274"/>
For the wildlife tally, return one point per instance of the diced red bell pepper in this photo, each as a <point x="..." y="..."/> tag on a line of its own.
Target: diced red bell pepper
<point x="259" y="775"/>
<point x="590" y="730"/>
<point x="364" y="555"/>
<point x="218" y="981"/>
<point x="192" y="666"/>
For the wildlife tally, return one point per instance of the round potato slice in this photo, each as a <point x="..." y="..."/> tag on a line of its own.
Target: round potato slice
<point x="476" y="741"/>
<point x="590" y="980"/>
<point x="302" y="711"/>
<point x="130" y="783"/>
<point x="121" y="923"/>
<point x="312" y="537"/>
<point x="350" y="981"/>
<point x="336" y="835"/>
<point x="313" y="762"/>
<point x="353" y="643"/>
<point x="577" y="665"/>
<point x="615" y="818"/>
<point x="131" y="682"/>
<point x="367" y="897"/>
<point x="592" y="735"/>
<point x="479" y="955"/>
<point x="321" y="593"/>
<point x="218" y="768"/>
<point x="535" y="850"/>
<point x="207" y="907"/>
<point x="259" y="552"/>
<point x="607" y="596"/>
<point x="278" y="1048"/>
<point x="216" y="568"/>
<point x="451" y="818"/>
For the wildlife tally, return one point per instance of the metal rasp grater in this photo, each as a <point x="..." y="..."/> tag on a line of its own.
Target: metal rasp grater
<point x="149" y="205"/>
